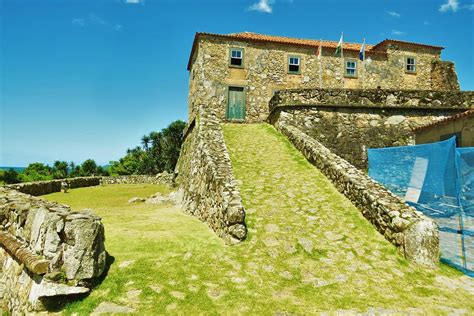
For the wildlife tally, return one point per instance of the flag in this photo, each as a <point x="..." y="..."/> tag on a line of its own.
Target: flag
<point x="339" y="51"/>
<point x="320" y="51"/>
<point x="362" y="51"/>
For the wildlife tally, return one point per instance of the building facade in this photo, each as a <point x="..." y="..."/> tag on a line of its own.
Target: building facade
<point x="237" y="74"/>
<point x="460" y="125"/>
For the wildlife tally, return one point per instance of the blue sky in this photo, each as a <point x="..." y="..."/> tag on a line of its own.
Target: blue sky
<point x="86" y="79"/>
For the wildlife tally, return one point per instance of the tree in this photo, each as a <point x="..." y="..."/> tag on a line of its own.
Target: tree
<point x="173" y="138"/>
<point x="60" y="169"/>
<point x="36" y="172"/>
<point x="10" y="176"/>
<point x="88" y="168"/>
<point x="145" y="142"/>
<point x="159" y="152"/>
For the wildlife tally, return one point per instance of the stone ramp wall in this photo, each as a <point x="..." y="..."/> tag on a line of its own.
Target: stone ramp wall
<point x="350" y="121"/>
<point x="38" y="188"/>
<point x="348" y="132"/>
<point x="47" y="251"/>
<point x="204" y="173"/>
<point x="415" y="235"/>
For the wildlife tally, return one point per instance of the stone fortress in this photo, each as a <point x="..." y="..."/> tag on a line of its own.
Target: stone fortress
<point x="237" y="74"/>
<point x="331" y="108"/>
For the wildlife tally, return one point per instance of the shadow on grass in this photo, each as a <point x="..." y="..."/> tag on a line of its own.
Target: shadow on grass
<point x="58" y="303"/>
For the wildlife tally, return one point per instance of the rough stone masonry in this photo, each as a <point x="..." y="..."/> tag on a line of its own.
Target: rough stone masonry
<point x="47" y="251"/>
<point x="205" y="175"/>
<point x="349" y="121"/>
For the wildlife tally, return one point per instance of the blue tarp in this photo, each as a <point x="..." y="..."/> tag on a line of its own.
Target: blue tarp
<point x="438" y="179"/>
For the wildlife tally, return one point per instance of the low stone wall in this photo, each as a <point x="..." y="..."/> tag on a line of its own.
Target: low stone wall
<point x="161" y="178"/>
<point x="415" y="235"/>
<point x="47" y="251"/>
<point x="46" y="187"/>
<point x="204" y="173"/>
<point x="378" y="98"/>
<point x="350" y="121"/>
<point x="349" y="131"/>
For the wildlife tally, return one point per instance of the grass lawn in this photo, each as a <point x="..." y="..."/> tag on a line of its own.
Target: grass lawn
<point x="308" y="248"/>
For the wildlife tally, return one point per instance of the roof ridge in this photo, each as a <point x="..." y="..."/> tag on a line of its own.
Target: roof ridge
<point x="296" y="38"/>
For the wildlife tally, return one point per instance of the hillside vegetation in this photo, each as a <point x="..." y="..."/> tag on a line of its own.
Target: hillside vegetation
<point x="308" y="248"/>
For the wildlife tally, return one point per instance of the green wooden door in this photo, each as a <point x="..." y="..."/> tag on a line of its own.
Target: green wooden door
<point x="236" y="104"/>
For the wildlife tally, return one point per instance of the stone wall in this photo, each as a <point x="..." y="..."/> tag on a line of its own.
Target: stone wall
<point x="47" y="251"/>
<point x="374" y="98"/>
<point x="46" y="187"/>
<point x="443" y="76"/>
<point x="204" y="173"/>
<point x="161" y="178"/>
<point x="350" y="121"/>
<point x="415" y="235"/>
<point x="265" y="71"/>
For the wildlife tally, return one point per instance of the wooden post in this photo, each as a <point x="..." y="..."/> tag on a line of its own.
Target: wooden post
<point x="23" y="254"/>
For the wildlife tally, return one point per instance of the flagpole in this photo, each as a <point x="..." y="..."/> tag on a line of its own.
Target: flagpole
<point x="320" y="63"/>
<point x="342" y="55"/>
<point x="363" y="64"/>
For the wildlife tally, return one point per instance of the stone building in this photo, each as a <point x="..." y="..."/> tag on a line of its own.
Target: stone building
<point x="237" y="74"/>
<point x="459" y="125"/>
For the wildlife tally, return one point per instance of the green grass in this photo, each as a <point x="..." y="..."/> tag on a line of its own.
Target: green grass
<point x="288" y="202"/>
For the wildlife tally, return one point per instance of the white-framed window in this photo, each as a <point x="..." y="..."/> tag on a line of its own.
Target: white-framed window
<point x="410" y="64"/>
<point x="294" y="64"/>
<point x="351" y="68"/>
<point x="236" y="57"/>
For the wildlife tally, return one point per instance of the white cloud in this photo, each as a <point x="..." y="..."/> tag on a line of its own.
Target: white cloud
<point x="398" y="33"/>
<point x="79" y="22"/>
<point x="394" y="14"/>
<point x="262" y="6"/>
<point x="452" y="5"/>
<point x="94" y="19"/>
<point x="133" y="1"/>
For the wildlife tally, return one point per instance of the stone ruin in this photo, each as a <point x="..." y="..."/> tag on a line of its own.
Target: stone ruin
<point x="49" y="253"/>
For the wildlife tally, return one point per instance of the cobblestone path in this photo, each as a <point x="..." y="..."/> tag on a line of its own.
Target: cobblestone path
<point x="301" y="228"/>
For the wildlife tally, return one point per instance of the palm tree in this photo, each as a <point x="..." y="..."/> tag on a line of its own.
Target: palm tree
<point x="146" y="141"/>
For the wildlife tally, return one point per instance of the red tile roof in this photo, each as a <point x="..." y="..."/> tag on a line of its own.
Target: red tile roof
<point x="465" y="114"/>
<point x="295" y="41"/>
<point x="254" y="37"/>
<point x="386" y="41"/>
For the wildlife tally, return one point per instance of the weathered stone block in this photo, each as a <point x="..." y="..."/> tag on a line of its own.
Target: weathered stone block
<point x="42" y="237"/>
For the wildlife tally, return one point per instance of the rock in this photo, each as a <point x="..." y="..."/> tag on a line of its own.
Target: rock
<point x="395" y="119"/>
<point x="422" y="243"/>
<point x="270" y="242"/>
<point x="125" y="264"/>
<point x="157" y="288"/>
<point x="178" y="295"/>
<point x="136" y="200"/>
<point x="49" y="289"/>
<point x="238" y="231"/>
<point x="55" y="276"/>
<point x="134" y="294"/>
<point x="272" y="228"/>
<point x="85" y="257"/>
<point x="112" y="308"/>
<point x="306" y="244"/>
